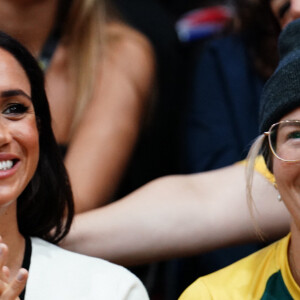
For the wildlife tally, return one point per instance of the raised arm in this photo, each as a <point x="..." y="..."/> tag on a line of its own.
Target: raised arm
<point x="178" y="216"/>
<point x="101" y="147"/>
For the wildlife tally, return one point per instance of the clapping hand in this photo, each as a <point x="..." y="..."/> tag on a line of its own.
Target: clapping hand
<point x="10" y="289"/>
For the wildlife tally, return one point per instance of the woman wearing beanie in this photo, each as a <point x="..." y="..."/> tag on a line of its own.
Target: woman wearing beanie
<point x="273" y="272"/>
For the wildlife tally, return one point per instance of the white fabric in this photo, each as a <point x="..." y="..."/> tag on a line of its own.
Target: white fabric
<point x="58" y="274"/>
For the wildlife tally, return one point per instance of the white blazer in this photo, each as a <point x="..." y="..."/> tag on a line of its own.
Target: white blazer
<point x="58" y="274"/>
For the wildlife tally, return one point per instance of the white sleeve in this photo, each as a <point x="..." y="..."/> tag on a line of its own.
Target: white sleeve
<point x="131" y="288"/>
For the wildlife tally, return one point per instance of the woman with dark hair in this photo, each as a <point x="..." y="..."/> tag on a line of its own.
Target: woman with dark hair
<point x="36" y="204"/>
<point x="97" y="100"/>
<point x="55" y="200"/>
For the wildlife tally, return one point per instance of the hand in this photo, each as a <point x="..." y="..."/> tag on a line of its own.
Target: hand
<point x="10" y="289"/>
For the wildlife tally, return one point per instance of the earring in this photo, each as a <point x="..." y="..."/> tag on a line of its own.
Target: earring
<point x="275" y="186"/>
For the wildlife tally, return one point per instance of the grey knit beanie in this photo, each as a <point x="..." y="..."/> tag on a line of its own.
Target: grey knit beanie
<point x="281" y="93"/>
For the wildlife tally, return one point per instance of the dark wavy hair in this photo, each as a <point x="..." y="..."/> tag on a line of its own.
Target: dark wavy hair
<point x="260" y="30"/>
<point x="45" y="208"/>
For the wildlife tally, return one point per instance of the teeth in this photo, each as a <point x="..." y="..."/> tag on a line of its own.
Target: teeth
<point x="5" y="165"/>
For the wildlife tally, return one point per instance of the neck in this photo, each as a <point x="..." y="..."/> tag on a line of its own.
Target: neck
<point x="29" y="21"/>
<point x="12" y="238"/>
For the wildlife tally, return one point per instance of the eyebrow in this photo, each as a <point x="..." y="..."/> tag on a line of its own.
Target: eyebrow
<point x="12" y="93"/>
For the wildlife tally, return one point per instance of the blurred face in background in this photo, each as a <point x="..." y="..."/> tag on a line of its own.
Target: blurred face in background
<point x="285" y="11"/>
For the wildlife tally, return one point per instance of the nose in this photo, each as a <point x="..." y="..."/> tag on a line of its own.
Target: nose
<point x="5" y="135"/>
<point x="295" y="9"/>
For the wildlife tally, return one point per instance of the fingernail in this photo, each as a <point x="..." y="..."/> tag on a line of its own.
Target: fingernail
<point x="21" y="275"/>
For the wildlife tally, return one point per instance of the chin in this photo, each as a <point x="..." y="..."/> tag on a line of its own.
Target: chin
<point x="8" y="198"/>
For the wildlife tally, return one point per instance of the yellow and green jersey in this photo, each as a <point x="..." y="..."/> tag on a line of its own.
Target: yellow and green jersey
<point x="264" y="274"/>
<point x="260" y="167"/>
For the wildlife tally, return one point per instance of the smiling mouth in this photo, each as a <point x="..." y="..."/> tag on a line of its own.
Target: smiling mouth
<point x="6" y="164"/>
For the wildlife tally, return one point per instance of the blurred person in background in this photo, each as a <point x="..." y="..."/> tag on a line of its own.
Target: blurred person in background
<point x="97" y="98"/>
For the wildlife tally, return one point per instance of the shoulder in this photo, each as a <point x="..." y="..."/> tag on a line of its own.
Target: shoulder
<point x="45" y="252"/>
<point x="79" y="273"/>
<point x="129" y="49"/>
<point x="261" y="167"/>
<point x="128" y="58"/>
<point x="120" y="35"/>
<point x="246" y="277"/>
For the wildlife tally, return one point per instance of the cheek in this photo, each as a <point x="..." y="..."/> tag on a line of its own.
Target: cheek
<point x="32" y="138"/>
<point x="287" y="176"/>
<point x="288" y="182"/>
<point x="28" y="139"/>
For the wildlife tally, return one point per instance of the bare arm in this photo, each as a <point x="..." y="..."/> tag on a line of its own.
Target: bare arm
<point x="178" y="216"/>
<point x="102" y="145"/>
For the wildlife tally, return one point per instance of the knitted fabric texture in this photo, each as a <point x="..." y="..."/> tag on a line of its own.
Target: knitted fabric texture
<point x="281" y="93"/>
